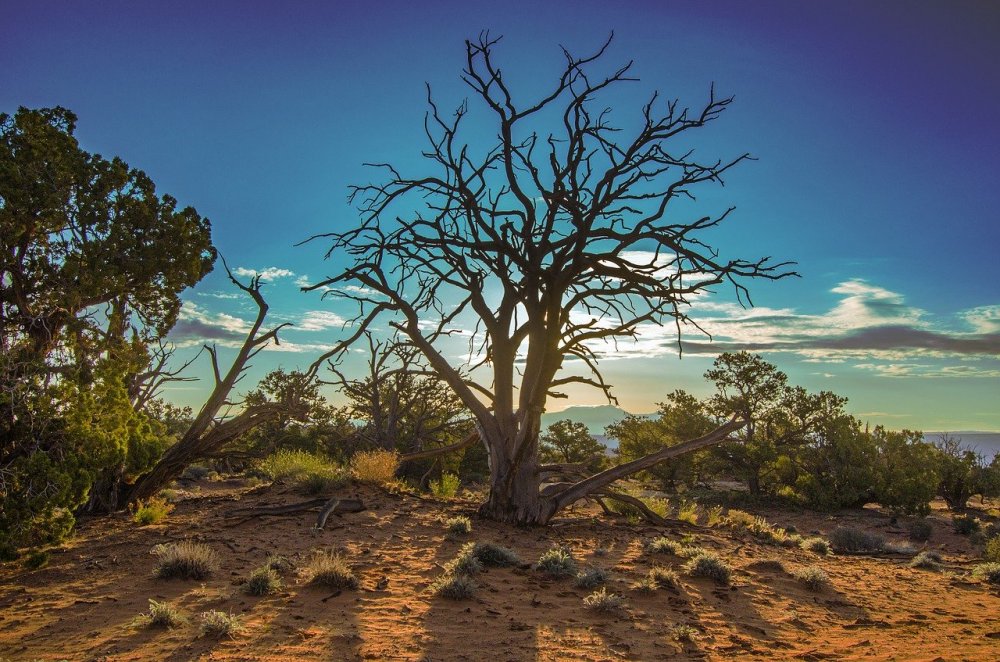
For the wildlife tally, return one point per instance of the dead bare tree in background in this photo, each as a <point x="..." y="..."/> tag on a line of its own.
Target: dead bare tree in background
<point x="551" y="244"/>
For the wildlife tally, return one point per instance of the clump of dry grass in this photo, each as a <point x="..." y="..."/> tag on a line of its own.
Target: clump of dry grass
<point x="161" y="614"/>
<point x="817" y="545"/>
<point x="151" y="511"/>
<point x="465" y="563"/>
<point x="657" y="578"/>
<point x="215" y="623"/>
<point x="663" y="545"/>
<point x="601" y="600"/>
<point x="186" y="559"/>
<point x="928" y="560"/>
<point x="814" y="577"/>
<point x="458" y="526"/>
<point x="988" y="572"/>
<point x="262" y="581"/>
<point x="330" y="570"/>
<point x="853" y="539"/>
<point x="684" y="633"/>
<point x="591" y="578"/>
<point x="454" y="587"/>
<point x="377" y="466"/>
<point x="279" y="563"/>
<point x="557" y="562"/>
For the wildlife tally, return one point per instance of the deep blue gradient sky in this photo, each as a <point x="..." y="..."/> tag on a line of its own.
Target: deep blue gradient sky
<point x="875" y="125"/>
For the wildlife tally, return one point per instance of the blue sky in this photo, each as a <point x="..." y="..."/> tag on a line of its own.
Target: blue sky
<point x="874" y="125"/>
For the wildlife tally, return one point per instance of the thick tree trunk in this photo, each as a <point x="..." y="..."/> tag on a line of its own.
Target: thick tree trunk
<point x="515" y="499"/>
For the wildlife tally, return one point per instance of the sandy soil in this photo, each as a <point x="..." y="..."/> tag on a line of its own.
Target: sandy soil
<point x="83" y="604"/>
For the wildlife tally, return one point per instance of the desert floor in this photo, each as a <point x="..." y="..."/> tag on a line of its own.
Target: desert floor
<point x="83" y="605"/>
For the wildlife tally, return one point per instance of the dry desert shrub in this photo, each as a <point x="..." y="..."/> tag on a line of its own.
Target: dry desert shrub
<point x="991" y="553"/>
<point x="378" y="466"/>
<point x="161" y="614"/>
<point x="458" y="526"/>
<point x="817" y="545"/>
<point x="928" y="560"/>
<point x="262" y="581"/>
<point x="313" y="473"/>
<point x="920" y="530"/>
<point x="684" y="633"/>
<point x="330" y="570"/>
<point x="965" y="524"/>
<point x="988" y="572"/>
<point x="591" y="578"/>
<point x="465" y="563"/>
<point x="557" y="562"/>
<point x="656" y="579"/>
<point x="708" y="564"/>
<point x="663" y="545"/>
<point x="603" y="601"/>
<point x="494" y="555"/>
<point x="454" y="587"/>
<point x="186" y="559"/>
<point x="853" y="539"/>
<point x="814" y="577"/>
<point x="215" y="623"/>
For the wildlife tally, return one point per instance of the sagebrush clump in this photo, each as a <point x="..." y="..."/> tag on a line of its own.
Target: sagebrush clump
<point x="657" y="578"/>
<point x="330" y="570"/>
<point x="458" y="526"/>
<point x="591" y="578"/>
<point x="817" y="545"/>
<point x="217" y="623"/>
<point x="557" y="562"/>
<point x="454" y="587"/>
<point x="186" y="559"/>
<point x="663" y="545"/>
<point x="708" y="564"/>
<point x="465" y="563"/>
<point x="920" y="530"/>
<point x="965" y="524"/>
<point x="162" y="614"/>
<point x="313" y="473"/>
<point x="989" y="572"/>
<point x="814" y="577"/>
<point x="852" y="539"/>
<point x="494" y="555"/>
<point x="991" y="553"/>
<point x="928" y="560"/>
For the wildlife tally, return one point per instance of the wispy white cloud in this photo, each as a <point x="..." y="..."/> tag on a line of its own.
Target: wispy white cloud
<point x="197" y="326"/>
<point x="268" y="273"/>
<point x="318" y="320"/>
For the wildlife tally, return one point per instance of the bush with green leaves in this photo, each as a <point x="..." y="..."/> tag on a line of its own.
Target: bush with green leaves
<point x="817" y="545"/>
<point x="185" y="559"/>
<point x="591" y="578"/>
<point x="458" y="526"/>
<point x="557" y="562"/>
<point x="991" y="552"/>
<point x="965" y="524"/>
<point x="215" y="623"/>
<point x="161" y="614"/>
<point x="708" y="564"/>
<point x="310" y="471"/>
<point x="987" y="572"/>
<point x="152" y="511"/>
<point x="920" y="530"/>
<point x="446" y="486"/>
<point x="684" y="632"/>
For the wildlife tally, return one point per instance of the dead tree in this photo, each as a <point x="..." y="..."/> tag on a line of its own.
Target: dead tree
<point x="544" y="245"/>
<point x="211" y="429"/>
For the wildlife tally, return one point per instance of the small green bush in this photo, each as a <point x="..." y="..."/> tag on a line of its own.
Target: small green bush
<point x="494" y="555"/>
<point x="36" y="559"/>
<point x="663" y="545"/>
<point x="161" y="614"/>
<point x="152" y="511"/>
<point x="991" y="552"/>
<point x="312" y="473"/>
<point x="817" y="545"/>
<point x="989" y="572"/>
<point x="603" y="601"/>
<point x="458" y="526"/>
<point x="814" y="577"/>
<point x="852" y="539"/>
<point x="262" y="581"/>
<point x="656" y="579"/>
<point x="928" y="560"/>
<point x="217" y="623"/>
<point x="447" y="486"/>
<point x="557" y="562"/>
<point x="708" y="564"/>
<point x="330" y="570"/>
<point x="591" y="578"/>
<point x="466" y="563"/>
<point x="920" y="530"/>
<point x="454" y="587"/>
<point x="684" y="633"/>
<point x="186" y="559"/>
<point x="965" y="524"/>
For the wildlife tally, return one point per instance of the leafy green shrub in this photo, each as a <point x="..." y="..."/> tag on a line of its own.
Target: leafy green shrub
<point x="603" y="601"/>
<point x="378" y="466"/>
<point x="684" y="633"/>
<point x="687" y="511"/>
<point x="161" y="614"/>
<point x="906" y="471"/>
<point x="454" y="587"/>
<point x="657" y="578"/>
<point x="458" y="526"/>
<point x="262" y="581"/>
<point x="591" y="578"/>
<point x="309" y="471"/>
<point x="663" y="545"/>
<point x="965" y="524"/>
<point x="186" y="559"/>
<point x="928" y="560"/>
<point x="708" y="564"/>
<point x="494" y="555"/>
<point x="920" y="530"/>
<point x="814" y="577"/>
<point x="215" y="623"/>
<point x="330" y="570"/>
<point x="557" y="562"/>
<point x="152" y="511"/>
<point x="991" y="552"/>
<point x="852" y="539"/>
<point x="36" y="559"/>
<point x="447" y="486"/>
<point x="989" y="572"/>
<point x="817" y="545"/>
